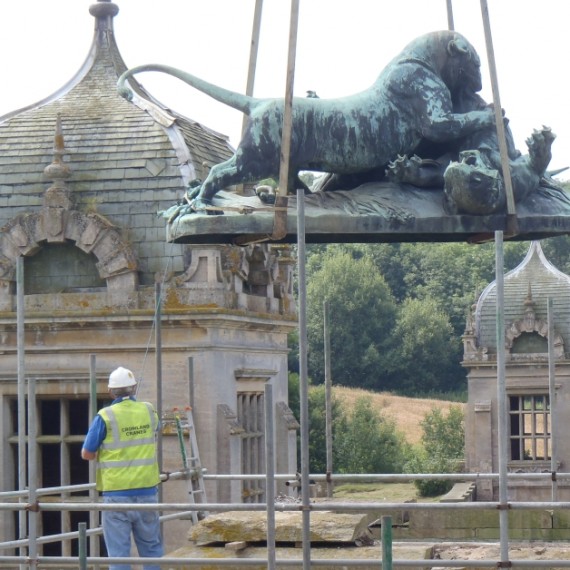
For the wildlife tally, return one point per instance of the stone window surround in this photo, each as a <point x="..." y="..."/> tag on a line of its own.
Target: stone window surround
<point x="92" y="233"/>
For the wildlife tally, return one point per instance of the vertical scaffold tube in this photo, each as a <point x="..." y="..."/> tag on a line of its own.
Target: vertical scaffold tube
<point x="386" y="522"/>
<point x="303" y="381"/>
<point x="502" y="412"/>
<point x="328" y="399"/>
<point x="552" y="400"/>
<point x="21" y="348"/>
<point x="270" y="476"/>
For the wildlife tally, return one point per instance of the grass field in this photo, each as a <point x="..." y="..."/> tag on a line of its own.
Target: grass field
<point x="407" y="413"/>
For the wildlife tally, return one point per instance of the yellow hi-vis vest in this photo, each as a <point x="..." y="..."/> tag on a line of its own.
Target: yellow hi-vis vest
<point x="127" y="456"/>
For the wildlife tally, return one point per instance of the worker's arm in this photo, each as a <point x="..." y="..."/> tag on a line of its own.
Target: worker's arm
<point x="89" y="455"/>
<point x="95" y="436"/>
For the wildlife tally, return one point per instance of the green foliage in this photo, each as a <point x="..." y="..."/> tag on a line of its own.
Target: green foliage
<point x="444" y="435"/>
<point x="379" y="297"/>
<point x="421" y="462"/>
<point x="427" y="355"/>
<point x="317" y="429"/>
<point x="361" y="315"/>
<point x="293" y="356"/>
<point x="397" y="311"/>
<point x="557" y="250"/>
<point x="369" y="442"/>
<point x="293" y="393"/>
<point x="443" y="445"/>
<point x="364" y="440"/>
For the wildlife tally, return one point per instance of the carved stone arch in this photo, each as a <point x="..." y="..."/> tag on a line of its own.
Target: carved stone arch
<point x="539" y="326"/>
<point x="24" y="235"/>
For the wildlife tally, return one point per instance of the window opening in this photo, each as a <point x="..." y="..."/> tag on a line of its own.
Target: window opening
<point x="251" y="415"/>
<point x="60" y="268"/>
<point x="62" y="425"/>
<point x="530" y="435"/>
<point x="530" y="343"/>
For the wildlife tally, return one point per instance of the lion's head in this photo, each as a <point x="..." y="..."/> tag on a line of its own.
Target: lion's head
<point x="473" y="186"/>
<point x="463" y="68"/>
<point x="451" y="56"/>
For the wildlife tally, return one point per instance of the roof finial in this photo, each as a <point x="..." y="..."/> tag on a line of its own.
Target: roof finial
<point x="57" y="195"/>
<point x="529" y="316"/>
<point x="104" y="10"/>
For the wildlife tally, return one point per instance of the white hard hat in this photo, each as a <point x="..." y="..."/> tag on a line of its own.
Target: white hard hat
<point x="121" y="378"/>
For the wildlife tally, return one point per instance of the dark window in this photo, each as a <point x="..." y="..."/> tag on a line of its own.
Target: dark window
<point x="49" y="417"/>
<point x="62" y="424"/>
<point x="58" y="268"/>
<point x="530" y="343"/>
<point x="251" y="415"/>
<point x="530" y="428"/>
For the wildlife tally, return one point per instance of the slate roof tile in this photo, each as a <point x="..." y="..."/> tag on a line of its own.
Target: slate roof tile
<point x="115" y="149"/>
<point x="544" y="280"/>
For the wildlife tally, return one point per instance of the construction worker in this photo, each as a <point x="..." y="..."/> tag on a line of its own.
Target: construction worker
<point x="122" y="438"/>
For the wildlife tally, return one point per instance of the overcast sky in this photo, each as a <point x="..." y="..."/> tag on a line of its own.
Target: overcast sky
<point x="342" y="47"/>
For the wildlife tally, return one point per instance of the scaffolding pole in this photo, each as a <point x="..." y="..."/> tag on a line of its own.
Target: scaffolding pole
<point x="303" y="381"/>
<point x="503" y="433"/>
<point x="21" y="349"/>
<point x="552" y="399"/>
<point x="328" y="400"/>
<point x="93" y="495"/>
<point x="270" y="476"/>
<point x="33" y="509"/>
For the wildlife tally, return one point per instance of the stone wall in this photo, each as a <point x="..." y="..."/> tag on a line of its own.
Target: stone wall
<point x="480" y="525"/>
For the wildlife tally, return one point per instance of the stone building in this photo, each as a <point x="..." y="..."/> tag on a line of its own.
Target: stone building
<point x="530" y="410"/>
<point x="83" y="174"/>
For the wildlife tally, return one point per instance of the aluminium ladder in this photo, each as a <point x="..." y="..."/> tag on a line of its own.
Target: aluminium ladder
<point x="191" y="463"/>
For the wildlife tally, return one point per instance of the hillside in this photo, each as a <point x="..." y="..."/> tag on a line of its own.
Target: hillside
<point x="406" y="412"/>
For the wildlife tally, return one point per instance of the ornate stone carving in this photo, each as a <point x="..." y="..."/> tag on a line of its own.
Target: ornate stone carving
<point x="59" y="222"/>
<point x="530" y="324"/>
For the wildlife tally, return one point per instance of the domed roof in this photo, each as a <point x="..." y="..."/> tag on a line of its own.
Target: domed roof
<point x="127" y="160"/>
<point x="526" y="292"/>
<point x="114" y="145"/>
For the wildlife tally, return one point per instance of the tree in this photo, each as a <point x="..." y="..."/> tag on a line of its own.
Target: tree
<point x="443" y="444"/>
<point x="426" y="357"/>
<point x="317" y="429"/>
<point x="444" y="435"/>
<point x="361" y="317"/>
<point x="369" y="442"/>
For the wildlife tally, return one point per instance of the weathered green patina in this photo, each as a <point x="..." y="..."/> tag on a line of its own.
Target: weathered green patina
<point x="471" y="174"/>
<point x="410" y="105"/>
<point x="414" y="157"/>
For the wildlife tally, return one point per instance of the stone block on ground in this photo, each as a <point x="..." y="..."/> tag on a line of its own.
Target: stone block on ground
<point x="233" y="526"/>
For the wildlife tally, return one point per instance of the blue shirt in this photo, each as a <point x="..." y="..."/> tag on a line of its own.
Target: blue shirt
<point x="95" y="436"/>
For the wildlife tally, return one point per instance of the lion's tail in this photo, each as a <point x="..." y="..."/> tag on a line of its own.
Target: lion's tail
<point x="238" y="101"/>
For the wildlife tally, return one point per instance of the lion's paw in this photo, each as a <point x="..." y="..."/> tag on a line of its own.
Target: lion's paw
<point x="175" y="212"/>
<point x="539" y="149"/>
<point x="404" y="168"/>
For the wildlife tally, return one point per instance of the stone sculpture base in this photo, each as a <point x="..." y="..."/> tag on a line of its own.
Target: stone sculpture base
<point x="374" y="212"/>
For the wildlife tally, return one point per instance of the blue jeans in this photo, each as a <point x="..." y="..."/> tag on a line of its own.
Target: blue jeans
<point x="144" y="525"/>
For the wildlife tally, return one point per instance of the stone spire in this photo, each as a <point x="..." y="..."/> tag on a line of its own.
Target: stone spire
<point x="58" y="194"/>
<point x="529" y="315"/>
